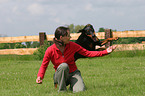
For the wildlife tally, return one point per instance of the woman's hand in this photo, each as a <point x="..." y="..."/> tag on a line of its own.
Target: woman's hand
<point x="39" y="80"/>
<point x="111" y="48"/>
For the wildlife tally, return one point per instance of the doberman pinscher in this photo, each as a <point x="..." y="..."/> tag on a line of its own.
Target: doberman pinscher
<point x="89" y="40"/>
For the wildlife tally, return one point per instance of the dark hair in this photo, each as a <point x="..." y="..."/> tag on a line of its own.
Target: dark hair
<point x="60" y="31"/>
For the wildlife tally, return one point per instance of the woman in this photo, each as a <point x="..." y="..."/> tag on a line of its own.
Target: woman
<point x="61" y="54"/>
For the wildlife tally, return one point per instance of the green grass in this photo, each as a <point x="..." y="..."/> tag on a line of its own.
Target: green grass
<point x="114" y="75"/>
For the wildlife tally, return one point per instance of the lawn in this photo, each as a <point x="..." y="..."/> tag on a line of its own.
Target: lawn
<point x="112" y="75"/>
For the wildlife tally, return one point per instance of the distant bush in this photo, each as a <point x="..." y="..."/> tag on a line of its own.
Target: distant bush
<point x="39" y="53"/>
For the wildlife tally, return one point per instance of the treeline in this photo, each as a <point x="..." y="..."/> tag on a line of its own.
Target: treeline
<point x="19" y="45"/>
<point x="75" y="28"/>
<point x="127" y="40"/>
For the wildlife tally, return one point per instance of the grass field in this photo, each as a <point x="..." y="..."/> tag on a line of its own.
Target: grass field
<point x="118" y="74"/>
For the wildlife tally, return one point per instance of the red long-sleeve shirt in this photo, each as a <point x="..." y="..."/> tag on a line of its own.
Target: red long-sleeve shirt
<point x="55" y="55"/>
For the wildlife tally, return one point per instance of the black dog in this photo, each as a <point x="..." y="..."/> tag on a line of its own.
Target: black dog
<point x="89" y="40"/>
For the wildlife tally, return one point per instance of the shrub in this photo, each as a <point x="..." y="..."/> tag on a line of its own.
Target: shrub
<point x="39" y="53"/>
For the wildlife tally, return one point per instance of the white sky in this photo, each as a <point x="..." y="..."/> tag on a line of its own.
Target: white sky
<point x="29" y="17"/>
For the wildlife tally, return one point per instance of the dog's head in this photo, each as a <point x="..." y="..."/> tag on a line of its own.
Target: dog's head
<point x="89" y="31"/>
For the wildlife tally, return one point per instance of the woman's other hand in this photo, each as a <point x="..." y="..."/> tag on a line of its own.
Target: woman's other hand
<point x="111" y="48"/>
<point x="39" y="80"/>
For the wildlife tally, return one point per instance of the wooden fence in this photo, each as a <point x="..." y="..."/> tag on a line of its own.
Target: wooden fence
<point x="100" y="35"/>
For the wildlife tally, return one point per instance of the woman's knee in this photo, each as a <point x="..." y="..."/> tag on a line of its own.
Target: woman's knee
<point x="63" y="66"/>
<point x="77" y="83"/>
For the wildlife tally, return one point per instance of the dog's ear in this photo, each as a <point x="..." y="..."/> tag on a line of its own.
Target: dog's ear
<point x="85" y="28"/>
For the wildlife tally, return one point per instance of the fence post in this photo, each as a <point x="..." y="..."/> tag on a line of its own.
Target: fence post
<point x="42" y="37"/>
<point x="108" y="34"/>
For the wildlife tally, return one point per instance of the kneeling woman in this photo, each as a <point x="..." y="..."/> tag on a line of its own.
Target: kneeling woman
<point x="61" y="54"/>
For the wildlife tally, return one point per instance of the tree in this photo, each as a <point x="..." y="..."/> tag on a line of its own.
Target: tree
<point x="79" y="27"/>
<point x="75" y="29"/>
<point x="101" y="29"/>
<point x="71" y="27"/>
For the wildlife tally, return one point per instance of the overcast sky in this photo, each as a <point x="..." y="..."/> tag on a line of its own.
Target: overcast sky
<point x="29" y="17"/>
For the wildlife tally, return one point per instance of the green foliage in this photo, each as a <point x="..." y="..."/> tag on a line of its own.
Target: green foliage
<point x="39" y="54"/>
<point x="4" y="46"/>
<point x="71" y="27"/>
<point x="28" y="44"/>
<point x="101" y="29"/>
<point x="19" y="45"/>
<point x="11" y="45"/>
<point x="79" y="27"/>
<point x="35" y="44"/>
<point x="75" y="28"/>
